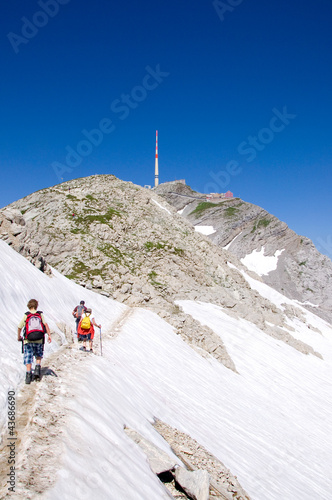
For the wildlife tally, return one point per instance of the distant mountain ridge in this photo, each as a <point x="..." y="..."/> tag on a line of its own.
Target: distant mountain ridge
<point x="302" y="272"/>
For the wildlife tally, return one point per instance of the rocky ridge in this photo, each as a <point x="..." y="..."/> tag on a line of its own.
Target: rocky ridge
<point x="302" y="272"/>
<point x="126" y="242"/>
<point x="201" y="476"/>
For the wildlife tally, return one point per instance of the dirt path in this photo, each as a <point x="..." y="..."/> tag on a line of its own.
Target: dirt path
<point x="120" y="321"/>
<point x="41" y="414"/>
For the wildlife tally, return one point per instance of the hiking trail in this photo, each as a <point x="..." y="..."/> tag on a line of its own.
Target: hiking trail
<point x="42" y="411"/>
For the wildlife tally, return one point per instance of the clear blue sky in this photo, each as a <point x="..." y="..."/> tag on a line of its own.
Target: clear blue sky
<point x="240" y="95"/>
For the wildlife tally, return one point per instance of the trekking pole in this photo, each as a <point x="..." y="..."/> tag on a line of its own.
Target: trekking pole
<point x="101" y="344"/>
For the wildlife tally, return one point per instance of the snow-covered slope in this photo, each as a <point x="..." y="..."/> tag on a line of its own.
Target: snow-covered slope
<point x="57" y="296"/>
<point x="270" y="423"/>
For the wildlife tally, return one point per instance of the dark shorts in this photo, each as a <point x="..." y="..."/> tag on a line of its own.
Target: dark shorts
<point x="31" y="351"/>
<point x="81" y="338"/>
<point x="77" y="322"/>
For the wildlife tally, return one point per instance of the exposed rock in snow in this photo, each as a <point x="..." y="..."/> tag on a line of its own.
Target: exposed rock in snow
<point x="159" y="461"/>
<point x="196" y="457"/>
<point x="195" y="483"/>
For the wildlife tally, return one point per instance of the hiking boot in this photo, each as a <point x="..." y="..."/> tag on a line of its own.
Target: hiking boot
<point x="28" y="378"/>
<point x="36" y="373"/>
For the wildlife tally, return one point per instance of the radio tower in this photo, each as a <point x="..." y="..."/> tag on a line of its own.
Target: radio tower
<point x="156" y="168"/>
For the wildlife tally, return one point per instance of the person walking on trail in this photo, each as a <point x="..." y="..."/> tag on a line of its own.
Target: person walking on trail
<point x="85" y="330"/>
<point x="78" y="312"/>
<point x="34" y="328"/>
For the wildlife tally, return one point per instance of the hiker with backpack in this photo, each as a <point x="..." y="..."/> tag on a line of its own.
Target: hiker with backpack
<point x="78" y="312"/>
<point x="34" y="328"/>
<point x="86" y="331"/>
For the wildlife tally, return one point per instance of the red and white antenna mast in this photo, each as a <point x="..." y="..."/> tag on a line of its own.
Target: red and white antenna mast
<point x="156" y="167"/>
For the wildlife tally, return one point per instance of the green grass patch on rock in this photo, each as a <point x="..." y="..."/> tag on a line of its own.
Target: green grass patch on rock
<point x="152" y="277"/>
<point x="151" y="245"/>
<point x="201" y="207"/>
<point x="261" y="223"/>
<point x="230" y="211"/>
<point x="163" y="245"/>
<point x="96" y="272"/>
<point x="78" y="268"/>
<point x="114" y="254"/>
<point x="179" y="251"/>
<point x="101" y="218"/>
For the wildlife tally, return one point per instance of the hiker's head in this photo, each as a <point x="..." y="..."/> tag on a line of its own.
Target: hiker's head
<point x="32" y="304"/>
<point x="89" y="310"/>
<point x="82" y="303"/>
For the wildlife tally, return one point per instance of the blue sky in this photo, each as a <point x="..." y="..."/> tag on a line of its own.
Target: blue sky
<point x="240" y="92"/>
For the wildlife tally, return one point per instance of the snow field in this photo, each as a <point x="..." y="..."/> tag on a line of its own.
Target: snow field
<point x="270" y="423"/>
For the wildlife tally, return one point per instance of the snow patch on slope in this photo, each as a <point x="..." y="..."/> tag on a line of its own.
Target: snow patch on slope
<point x="160" y="206"/>
<point x="207" y="230"/>
<point x="261" y="264"/>
<point x="232" y="241"/>
<point x="183" y="209"/>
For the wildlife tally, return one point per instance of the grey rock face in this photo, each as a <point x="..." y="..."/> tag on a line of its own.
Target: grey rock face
<point x="196" y="483"/>
<point x="302" y="272"/>
<point x="159" y="461"/>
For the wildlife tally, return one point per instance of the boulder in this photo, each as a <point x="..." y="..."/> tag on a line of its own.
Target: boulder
<point x="16" y="229"/>
<point x="196" y="483"/>
<point x="159" y="461"/>
<point x="14" y="215"/>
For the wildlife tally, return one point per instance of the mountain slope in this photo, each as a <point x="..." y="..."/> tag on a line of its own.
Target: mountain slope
<point x="124" y="240"/>
<point x="270" y="423"/>
<point x="301" y="272"/>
